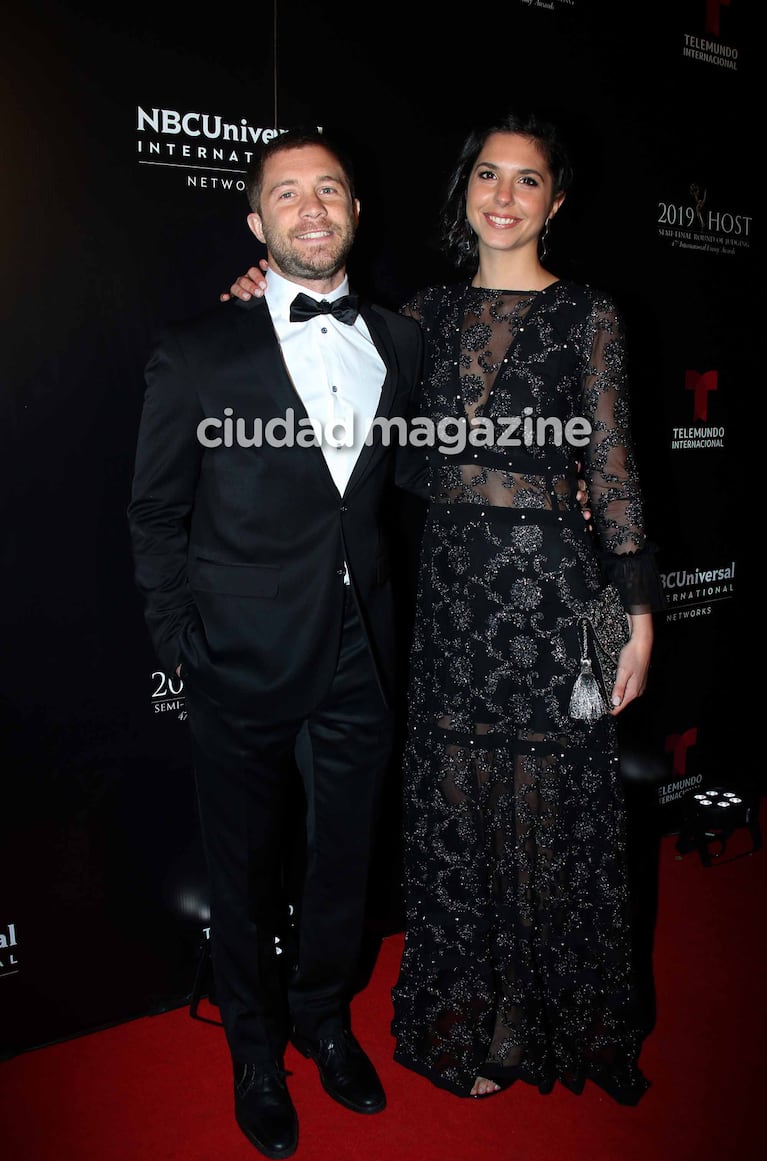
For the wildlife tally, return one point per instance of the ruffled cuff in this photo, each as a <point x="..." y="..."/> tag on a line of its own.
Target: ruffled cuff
<point x="637" y="578"/>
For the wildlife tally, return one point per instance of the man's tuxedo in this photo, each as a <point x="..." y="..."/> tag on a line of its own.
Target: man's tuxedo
<point x="240" y="551"/>
<point x="240" y="554"/>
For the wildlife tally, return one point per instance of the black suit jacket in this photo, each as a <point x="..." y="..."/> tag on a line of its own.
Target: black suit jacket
<point x="239" y="551"/>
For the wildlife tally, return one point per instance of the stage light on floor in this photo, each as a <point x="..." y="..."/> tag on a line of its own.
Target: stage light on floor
<point x="710" y="818"/>
<point x="718" y="798"/>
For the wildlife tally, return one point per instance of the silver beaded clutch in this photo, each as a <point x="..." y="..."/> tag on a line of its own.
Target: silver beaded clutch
<point x="604" y="626"/>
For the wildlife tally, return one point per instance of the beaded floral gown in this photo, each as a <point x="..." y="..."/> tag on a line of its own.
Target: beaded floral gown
<point x="517" y="958"/>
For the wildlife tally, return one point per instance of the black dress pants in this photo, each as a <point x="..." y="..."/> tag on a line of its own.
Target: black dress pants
<point x="246" y="777"/>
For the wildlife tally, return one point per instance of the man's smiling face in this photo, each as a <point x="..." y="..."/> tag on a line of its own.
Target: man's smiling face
<point x="307" y="216"/>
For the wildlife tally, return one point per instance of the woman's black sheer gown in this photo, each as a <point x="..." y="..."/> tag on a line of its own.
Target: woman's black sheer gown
<point x="517" y="960"/>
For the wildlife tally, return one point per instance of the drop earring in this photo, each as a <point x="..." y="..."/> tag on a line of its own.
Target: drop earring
<point x="543" y="248"/>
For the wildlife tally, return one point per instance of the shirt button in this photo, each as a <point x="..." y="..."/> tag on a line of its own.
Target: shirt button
<point x="334" y="388"/>
<point x="324" y="330"/>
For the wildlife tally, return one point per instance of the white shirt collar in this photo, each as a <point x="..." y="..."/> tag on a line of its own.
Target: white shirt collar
<point x="280" y="292"/>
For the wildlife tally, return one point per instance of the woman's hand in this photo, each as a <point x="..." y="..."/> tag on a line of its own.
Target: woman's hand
<point x="582" y="495"/>
<point x="633" y="663"/>
<point x="248" y="285"/>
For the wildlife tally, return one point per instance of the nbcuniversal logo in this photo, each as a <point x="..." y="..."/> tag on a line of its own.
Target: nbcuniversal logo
<point x="214" y="151"/>
<point x="9" y="963"/>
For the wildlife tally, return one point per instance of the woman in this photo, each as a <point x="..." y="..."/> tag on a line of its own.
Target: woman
<point x="517" y="961"/>
<point x="517" y="957"/>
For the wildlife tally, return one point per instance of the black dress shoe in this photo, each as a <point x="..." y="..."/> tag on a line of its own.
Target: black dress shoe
<point x="263" y="1109"/>
<point x="346" y="1073"/>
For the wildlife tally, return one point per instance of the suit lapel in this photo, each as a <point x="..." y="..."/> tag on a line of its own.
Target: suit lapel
<point x="380" y="335"/>
<point x="262" y="350"/>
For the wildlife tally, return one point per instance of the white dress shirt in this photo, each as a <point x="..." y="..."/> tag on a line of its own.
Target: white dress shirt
<point x="336" y="371"/>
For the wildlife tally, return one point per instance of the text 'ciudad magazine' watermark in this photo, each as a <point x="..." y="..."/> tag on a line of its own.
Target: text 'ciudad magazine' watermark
<point x="449" y="435"/>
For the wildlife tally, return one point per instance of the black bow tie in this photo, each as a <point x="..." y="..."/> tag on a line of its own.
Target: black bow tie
<point x="345" y="309"/>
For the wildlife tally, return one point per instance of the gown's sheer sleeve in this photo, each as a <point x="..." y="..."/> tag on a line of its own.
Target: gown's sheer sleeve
<point x="615" y="497"/>
<point x="414" y="307"/>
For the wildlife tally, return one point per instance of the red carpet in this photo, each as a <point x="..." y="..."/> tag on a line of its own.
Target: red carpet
<point x="159" y="1088"/>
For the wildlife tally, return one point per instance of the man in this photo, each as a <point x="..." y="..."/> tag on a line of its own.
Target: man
<point x="264" y="571"/>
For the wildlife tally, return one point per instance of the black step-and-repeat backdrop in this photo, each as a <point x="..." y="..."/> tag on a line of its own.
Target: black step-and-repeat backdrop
<point x="125" y="135"/>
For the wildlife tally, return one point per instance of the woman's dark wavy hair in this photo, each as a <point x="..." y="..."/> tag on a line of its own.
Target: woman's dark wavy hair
<point x="458" y="239"/>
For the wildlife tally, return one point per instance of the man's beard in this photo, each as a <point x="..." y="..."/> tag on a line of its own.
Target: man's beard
<point x="326" y="260"/>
